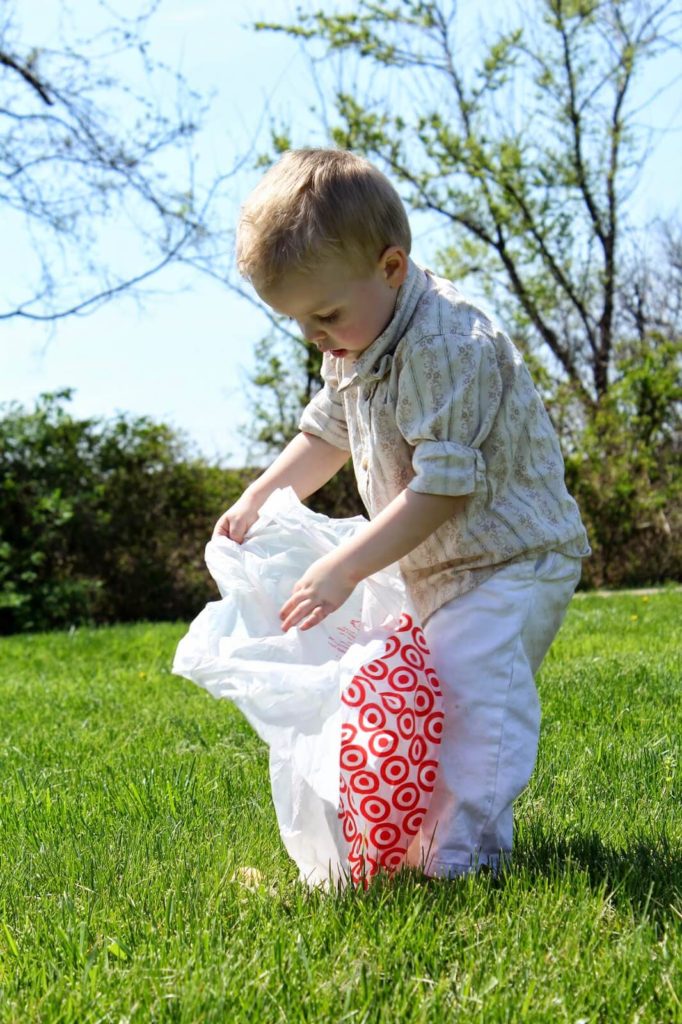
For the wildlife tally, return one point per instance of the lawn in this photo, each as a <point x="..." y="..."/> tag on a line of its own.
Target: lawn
<point x="129" y="798"/>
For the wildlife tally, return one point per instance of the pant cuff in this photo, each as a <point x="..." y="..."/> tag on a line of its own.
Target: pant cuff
<point x="493" y="862"/>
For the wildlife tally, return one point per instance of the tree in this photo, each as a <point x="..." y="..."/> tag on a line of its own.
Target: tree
<point x="626" y="472"/>
<point x="534" y="192"/>
<point x="288" y="377"/>
<point x="650" y="292"/>
<point x="526" y="158"/>
<point x="95" y="138"/>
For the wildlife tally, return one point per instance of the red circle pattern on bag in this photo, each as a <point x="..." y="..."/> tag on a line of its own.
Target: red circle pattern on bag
<point x="393" y="722"/>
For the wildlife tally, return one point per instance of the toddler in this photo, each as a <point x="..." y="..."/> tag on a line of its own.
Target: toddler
<point x="457" y="464"/>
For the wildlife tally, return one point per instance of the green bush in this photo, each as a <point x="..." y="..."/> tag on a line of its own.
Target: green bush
<point x="106" y="521"/>
<point x="626" y="471"/>
<point x="102" y="521"/>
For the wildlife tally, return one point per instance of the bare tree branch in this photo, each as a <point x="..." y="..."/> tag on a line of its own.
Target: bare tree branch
<point x="28" y="75"/>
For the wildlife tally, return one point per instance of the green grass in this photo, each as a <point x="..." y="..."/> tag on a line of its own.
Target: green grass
<point x="128" y="798"/>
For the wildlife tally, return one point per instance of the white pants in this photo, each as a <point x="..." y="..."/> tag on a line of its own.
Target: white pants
<point x="486" y="647"/>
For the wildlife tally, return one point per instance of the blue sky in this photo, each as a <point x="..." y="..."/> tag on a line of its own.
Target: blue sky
<point x="184" y="355"/>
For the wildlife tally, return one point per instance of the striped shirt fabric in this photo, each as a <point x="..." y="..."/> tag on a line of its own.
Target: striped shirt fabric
<point x="442" y="402"/>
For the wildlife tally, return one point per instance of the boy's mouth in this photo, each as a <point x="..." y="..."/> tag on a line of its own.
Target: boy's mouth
<point x="338" y="353"/>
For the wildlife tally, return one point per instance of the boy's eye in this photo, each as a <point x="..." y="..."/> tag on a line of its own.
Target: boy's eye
<point x="329" y="318"/>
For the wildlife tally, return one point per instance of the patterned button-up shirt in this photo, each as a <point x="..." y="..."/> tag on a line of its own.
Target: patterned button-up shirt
<point x="441" y="402"/>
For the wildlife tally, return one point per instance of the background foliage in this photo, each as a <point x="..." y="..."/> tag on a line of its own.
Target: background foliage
<point x="106" y="521"/>
<point x="525" y="153"/>
<point x="102" y="521"/>
<point x="625" y="471"/>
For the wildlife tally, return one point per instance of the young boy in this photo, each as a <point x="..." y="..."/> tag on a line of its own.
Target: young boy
<point x="455" y="459"/>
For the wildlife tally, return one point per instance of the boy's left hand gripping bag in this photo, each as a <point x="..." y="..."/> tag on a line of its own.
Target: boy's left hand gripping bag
<point x="350" y="709"/>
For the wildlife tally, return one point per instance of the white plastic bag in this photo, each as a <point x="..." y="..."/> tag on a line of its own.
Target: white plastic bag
<point x="350" y="709"/>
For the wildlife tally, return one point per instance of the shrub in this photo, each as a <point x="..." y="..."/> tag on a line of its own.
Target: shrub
<point x="626" y="473"/>
<point x="102" y="521"/>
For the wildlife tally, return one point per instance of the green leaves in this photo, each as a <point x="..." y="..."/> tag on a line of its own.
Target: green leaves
<point x="524" y="142"/>
<point x="101" y="521"/>
<point x="626" y="472"/>
<point x="502" y="57"/>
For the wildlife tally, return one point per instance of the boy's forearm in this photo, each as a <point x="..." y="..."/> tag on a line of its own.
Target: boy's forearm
<point x="402" y="526"/>
<point x="306" y="464"/>
<point x="399" y="528"/>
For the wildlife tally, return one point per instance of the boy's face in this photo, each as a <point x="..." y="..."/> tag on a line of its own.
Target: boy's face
<point x="336" y="308"/>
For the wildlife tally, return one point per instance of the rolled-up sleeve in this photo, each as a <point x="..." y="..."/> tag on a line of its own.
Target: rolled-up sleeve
<point x="325" y="414"/>
<point x="448" y="394"/>
<point x="444" y="467"/>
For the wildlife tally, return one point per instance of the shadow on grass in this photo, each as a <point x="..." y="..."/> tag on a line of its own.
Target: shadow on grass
<point x="645" y="874"/>
<point x="643" y="878"/>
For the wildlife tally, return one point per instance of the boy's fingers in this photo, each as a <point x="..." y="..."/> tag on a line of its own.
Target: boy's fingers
<point x="296" y="599"/>
<point x="294" y="610"/>
<point x="222" y="528"/>
<point x="313" y="620"/>
<point x="304" y="617"/>
<point x="227" y="529"/>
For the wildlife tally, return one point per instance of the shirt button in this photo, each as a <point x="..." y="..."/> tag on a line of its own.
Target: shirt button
<point x="365" y="463"/>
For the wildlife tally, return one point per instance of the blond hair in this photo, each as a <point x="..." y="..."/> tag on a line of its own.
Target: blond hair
<point x="314" y="204"/>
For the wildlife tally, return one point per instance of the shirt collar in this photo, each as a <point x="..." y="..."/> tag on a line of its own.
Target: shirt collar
<point x="374" y="362"/>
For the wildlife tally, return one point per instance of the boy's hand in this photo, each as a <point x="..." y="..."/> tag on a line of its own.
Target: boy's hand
<point x="321" y="590"/>
<point x="236" y="522"/>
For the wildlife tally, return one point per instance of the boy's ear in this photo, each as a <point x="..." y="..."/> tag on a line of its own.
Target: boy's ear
<point x="393" y="264"/>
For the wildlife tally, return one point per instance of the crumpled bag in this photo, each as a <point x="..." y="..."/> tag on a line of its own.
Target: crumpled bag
<point x="351" y="710"/>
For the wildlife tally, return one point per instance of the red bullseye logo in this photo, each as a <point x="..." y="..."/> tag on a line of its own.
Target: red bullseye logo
<point x="424" y="699"/>
<point x="389" y="752"/>
<point x="372" y="717"/>
<point x="392" y="859"/>
<point x="412" y="821"/>
<point x="394" y="770"/>
<point x="364" y="782"/>
<point x="426" y="775"/>
<point x="433" y="681"/>
<point x="375" y="808"/>
<point x="406" y="797"/>
<point x="393" y="702"/>
<point x="417" y="751"/>
<point x="353" y="757"/>
<point x="383" y="743"/>
<point x="384" y="835"/>
<point x="392" y="647"/>
<point x="403" y="678"/>
<point x="376" y="669"/>
<point x="413" y="656"/>
<point x="406" y="724"/>
<point x="350" y="829"/>
<point x="354" y="694"/>
<point x="420" y="640"/>
<point x="433" y="726"/>
<point x="348" y="732"/>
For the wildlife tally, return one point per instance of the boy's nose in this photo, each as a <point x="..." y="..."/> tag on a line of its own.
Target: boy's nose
<point x="313" y="333"/>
